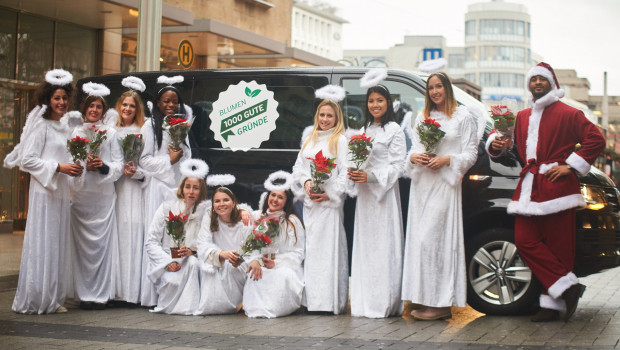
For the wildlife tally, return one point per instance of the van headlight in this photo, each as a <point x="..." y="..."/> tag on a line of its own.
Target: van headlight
<point x="594" y="197"/>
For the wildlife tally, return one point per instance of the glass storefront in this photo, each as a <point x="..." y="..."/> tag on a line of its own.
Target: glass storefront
<point x="29" y="47"/>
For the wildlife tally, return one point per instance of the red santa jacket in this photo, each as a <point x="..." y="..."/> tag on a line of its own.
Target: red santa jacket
<point x="545" y="136"/>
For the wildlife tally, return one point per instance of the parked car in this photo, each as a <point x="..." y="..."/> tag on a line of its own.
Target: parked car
<point x="499" y="281"/>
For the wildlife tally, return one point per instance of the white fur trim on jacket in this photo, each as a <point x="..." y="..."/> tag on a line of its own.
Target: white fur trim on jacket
<point x="529" y="208"/>
<point x="547" y="302"/>
<point x="305" y="134"/>
<point x="562" y="284"/>
<point x="578" y="163"/>
<point x="261" y="201"/>
<point x="487" y="146"/>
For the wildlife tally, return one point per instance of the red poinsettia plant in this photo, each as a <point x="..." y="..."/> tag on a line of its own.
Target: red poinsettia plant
<point x="430" y="134"/>
<point x="320" y="170"/>
<point x="175" y="228"/>
<point x="255" y="241"/>
<point x="503" y="120"/>
<point x="77" y="147"/>
<point x="359" y="149"/>
<point x="97" y="136"/>
<point x="178" y="128"/>
<point x="131" y="146"/>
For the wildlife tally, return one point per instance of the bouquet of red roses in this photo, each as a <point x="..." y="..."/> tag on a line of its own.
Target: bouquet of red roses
<point x="503" y="120"/>
<point x="175" y="228"/>
<point x="359" y="149"/>
<point x="178" y="128"/>
<point x="132" y="145"/>
<point x="265" y="230"/>
<point x="430" y="134"/>
<point x="320" y="170"/>
<point x="97" y="136"/>
<point x="77" y="148"/>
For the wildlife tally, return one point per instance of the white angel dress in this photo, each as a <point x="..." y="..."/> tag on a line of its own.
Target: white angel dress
<point x="326" y="265"/>
<point x="376" y="265"/>
<point x="131" y="228"/>
<point x="279" y="291"/>
<point x="44" y="271"/>
<point x="221" y="283"/>
<point x="93" y="223"/>
<point x="162" y="179"/>
<point x="178" y="292"/>
<point x="434" y="273"/>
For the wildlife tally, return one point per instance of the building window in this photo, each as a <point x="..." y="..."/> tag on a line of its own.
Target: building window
<point x="8" y="25"/>
<point x="75" y="50"/>
<point x="456" y="61"/>
<point x="505" y="80"/>
<point x="35" y="47"/>
<point x="470" y="28"/>
<point x="471" y="77"/>
<point x="470" y="54"/>
<point x="502" y="53"/>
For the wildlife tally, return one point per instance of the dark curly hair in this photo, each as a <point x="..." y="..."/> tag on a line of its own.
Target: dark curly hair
<point x="45" y="91"/>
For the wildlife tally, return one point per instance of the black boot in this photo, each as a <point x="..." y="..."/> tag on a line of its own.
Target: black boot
<point x="571" y="297"/>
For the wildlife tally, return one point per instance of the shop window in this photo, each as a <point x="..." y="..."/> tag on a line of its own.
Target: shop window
<point x="35" y="47"/>
<point x="8" y="27"/>
<point x="75" y="50"/>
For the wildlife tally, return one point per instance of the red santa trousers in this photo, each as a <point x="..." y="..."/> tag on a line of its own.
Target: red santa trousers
<point x="547" y="244"/>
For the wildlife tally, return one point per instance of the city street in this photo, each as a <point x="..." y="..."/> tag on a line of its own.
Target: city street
<point x="596" y="325"/>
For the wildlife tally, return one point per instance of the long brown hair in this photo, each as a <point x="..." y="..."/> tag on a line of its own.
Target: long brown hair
<point x="288" y="209"/>
<point x="235" y="216"/>
<point x="451" y="103"/>
<point x="88" y="101"/>
<point x="139" y="117"/>
<point x="45" y="91"/>
<point x="201" y="197"/>
<point x="338" y="128"/>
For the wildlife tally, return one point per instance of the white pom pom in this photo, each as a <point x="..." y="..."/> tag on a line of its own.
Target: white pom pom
<point x="373" y="77"/>
<point x="134" y="83"/>
<point x="95" y="89"/>
<point x="196" y="168"/>
<point x="220" y="180"/>
<point x="170" y="80"/>
<point x="149" y="105"/>
<point x="279" y="175"/>
<point x="58" y="77"/>
<point x="334" y="93"/>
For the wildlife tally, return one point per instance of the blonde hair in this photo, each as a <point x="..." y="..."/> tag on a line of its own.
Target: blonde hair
<point x="451" y="103"/>
<point x="201" y="197"/>
<point x="338" y="128"/>
<point x="139" y="117"/>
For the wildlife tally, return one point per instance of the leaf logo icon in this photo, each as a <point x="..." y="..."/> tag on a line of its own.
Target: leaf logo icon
<point x="251" y="93"/>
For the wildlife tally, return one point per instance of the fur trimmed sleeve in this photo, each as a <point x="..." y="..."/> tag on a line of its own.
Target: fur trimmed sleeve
<point x="461" y="162"/>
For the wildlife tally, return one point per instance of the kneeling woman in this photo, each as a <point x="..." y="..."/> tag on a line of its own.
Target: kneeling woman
<point x="222" y="275"/>
<point x="275" y="284"/>
<point x="177" y="279"/>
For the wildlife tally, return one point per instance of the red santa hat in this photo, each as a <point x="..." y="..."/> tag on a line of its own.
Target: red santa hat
<point x="544" y="70"/>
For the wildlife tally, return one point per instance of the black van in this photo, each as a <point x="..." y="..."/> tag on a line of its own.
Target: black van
<point x="499" y="282"/>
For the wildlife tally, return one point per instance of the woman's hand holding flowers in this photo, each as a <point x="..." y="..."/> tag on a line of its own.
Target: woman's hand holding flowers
<point x="175" y="154"/>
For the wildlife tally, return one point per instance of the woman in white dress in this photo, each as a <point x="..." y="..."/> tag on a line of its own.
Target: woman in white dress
<point x="44" y="274"/>
<point x="376" y="266"/>
<point x="434" y="274"/>
<point x="326" y="269"/>
<point x="129" y="197"/>
<point x="160" y="162"/>
<point x="177" y="280"/>
<point x="275" y="285"/>
<point x="223" y="270"/>
<point x="93" y="203"/>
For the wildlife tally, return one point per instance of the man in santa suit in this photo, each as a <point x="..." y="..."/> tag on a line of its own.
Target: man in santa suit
<point x="548" y="192"/>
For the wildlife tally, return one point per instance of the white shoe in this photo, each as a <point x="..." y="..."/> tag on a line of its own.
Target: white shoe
<point x="61" y="310"/>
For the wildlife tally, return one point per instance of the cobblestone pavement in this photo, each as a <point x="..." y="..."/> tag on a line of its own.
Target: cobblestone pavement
<point x="596" y="325"/>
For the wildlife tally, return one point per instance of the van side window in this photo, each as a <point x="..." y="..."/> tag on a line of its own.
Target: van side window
<point x="354" y="105"/>
<point x="295" y="96"/>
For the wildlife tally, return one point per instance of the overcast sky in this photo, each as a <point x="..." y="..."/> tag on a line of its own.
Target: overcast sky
<point x="569" y="34"/>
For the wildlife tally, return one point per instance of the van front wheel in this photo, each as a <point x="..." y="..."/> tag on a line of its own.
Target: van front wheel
<point x="499" y="282"/>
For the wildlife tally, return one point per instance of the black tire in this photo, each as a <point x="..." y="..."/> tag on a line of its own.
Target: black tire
<point x="494" y="265"/>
